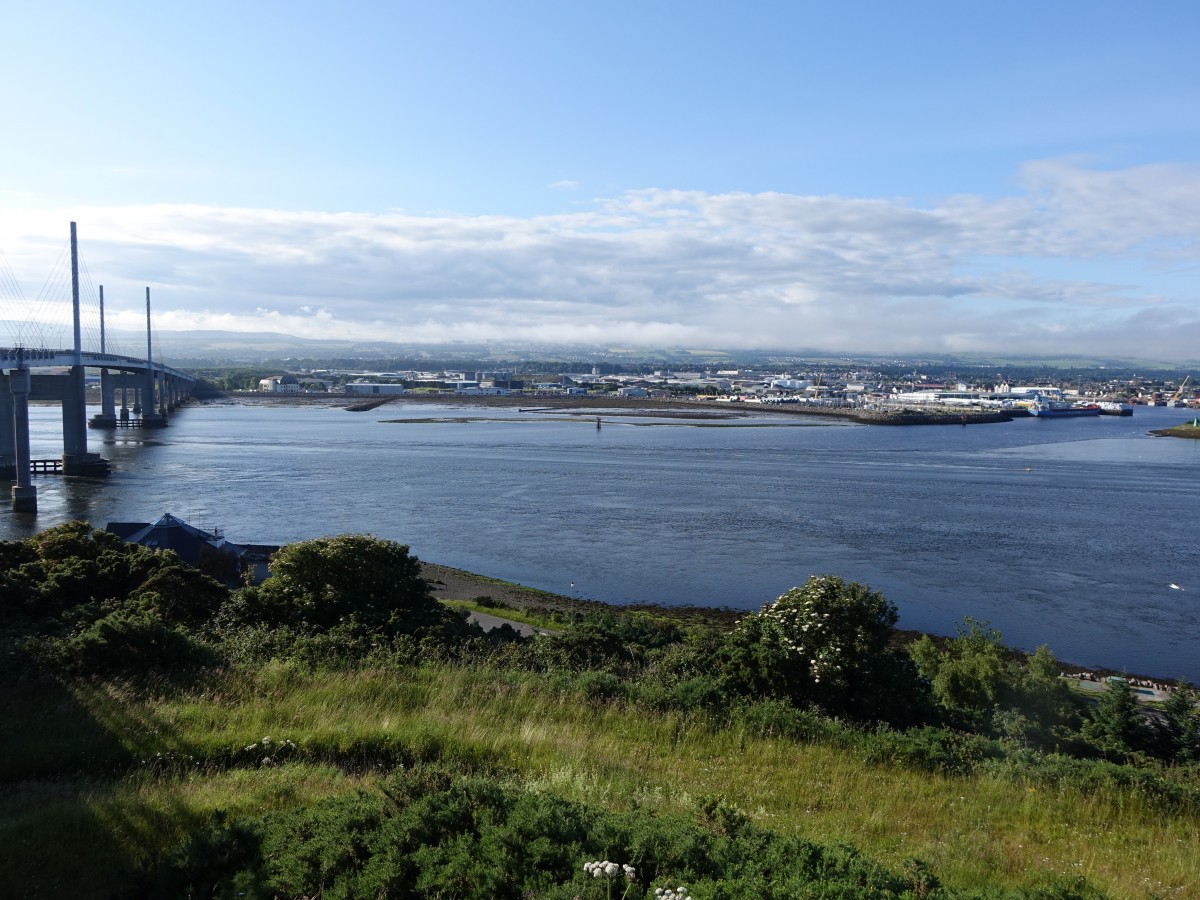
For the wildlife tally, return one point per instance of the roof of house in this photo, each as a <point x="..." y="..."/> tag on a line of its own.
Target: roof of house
<point x="170" y="533"/>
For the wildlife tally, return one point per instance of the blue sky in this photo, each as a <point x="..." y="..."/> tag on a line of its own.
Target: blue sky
<point x="1018" y="177"/>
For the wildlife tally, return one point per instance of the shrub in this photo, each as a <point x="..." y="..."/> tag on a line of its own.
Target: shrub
<point x="358" y="589"/>
<point x="127" y="640"/>
<point x="825" y="643"/>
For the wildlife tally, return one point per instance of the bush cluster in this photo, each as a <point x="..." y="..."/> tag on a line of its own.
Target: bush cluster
<point x="430" y="831"/>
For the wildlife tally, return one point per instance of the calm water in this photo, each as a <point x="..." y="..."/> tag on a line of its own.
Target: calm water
<point x="1064" y="532"/>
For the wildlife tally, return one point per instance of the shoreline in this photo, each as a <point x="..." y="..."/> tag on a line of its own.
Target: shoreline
<point x="450" y="583"/>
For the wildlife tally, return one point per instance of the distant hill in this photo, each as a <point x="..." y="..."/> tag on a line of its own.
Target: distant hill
<point x="201" y="348"/>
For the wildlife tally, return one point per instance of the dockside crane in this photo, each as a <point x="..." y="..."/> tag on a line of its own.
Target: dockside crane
<point x="1174" y="401"/>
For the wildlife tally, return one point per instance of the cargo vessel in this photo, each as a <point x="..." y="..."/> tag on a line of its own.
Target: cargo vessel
<point x="1044" y="407"/>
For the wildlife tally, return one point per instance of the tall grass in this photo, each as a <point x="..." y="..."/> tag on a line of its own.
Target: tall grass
<point x="972" y="830"/>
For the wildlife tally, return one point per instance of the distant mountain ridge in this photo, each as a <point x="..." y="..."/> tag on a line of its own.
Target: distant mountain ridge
<point x="214" y="347"/>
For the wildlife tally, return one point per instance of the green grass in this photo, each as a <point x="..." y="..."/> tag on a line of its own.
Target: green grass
<point x="971" y="830"/>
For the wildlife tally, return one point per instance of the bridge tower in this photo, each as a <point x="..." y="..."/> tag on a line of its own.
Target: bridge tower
<point x="152" y="417"/>
<point x="75" y="457"/>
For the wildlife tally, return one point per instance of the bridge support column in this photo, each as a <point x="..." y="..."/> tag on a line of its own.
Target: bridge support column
<point x="75" y="458"/>
<point x="107" y="417"/>
<point x="8" y="438"/>
<point x="151" y="418"/>
<point x="24" y="494"/>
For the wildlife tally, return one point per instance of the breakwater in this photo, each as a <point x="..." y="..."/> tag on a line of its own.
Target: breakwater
<point x="883" y="416"/>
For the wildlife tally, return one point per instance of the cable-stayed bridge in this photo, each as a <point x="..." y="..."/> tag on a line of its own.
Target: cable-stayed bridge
<point x="32" y="368"/>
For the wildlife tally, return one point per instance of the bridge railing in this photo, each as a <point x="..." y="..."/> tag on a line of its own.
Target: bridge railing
<point x="32" y="357"/>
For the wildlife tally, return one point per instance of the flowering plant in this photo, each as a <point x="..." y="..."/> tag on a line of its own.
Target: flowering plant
<point x="611" y="871"/>
<point x="813" y="643"/>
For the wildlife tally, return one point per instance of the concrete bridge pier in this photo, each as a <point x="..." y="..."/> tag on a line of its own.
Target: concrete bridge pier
<point x="24" y="494"/>
<point x="107" y="417"/>
<point x="162" y="394"/>
<point x="8" y="438"/>
<point x="151" y="418"/>
<point x="124" y="404"/>
<point x="69" y="391"/>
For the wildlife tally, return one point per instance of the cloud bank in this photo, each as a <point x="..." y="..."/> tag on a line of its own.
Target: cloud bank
<point x="1077" y="260"/>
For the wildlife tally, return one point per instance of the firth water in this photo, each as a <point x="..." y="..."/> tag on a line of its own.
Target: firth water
<point x="1066" y="532"/>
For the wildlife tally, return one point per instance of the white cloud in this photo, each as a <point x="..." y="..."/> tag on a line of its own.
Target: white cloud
<point x="566" y="184"/>
<point x="1082" y="260"/>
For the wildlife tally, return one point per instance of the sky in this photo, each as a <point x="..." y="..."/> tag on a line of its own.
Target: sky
<point x="854" y="177"/>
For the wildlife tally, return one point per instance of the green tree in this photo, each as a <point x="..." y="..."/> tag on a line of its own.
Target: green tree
<point x="1051" y="709"/>
<point x="970" y="676"/>
<point x="1117" y="724"/>
<point x="1179" y="731"/>
<point x="825" y="643"/>
<point x="348" y="580"/>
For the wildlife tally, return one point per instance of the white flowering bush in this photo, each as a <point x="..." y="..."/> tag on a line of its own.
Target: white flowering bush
<point x="813" y="644"/>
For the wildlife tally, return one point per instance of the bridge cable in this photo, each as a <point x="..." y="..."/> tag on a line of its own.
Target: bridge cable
<point x="11" y="299"/>
<point x="49" y="301"/>
<point x="89" y="302"/>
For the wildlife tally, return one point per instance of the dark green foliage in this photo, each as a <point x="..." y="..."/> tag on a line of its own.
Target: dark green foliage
<point x="622" y="644"/>
<point x="1117" y="725"/>
<point x="71" y="565"/>
<point x="1178" y="733"/>
<point x="127" y="640"/>
<point x="982" y="686"/>
<point x="180" y="594"/>
<point x="319" y="585"/>
<point x="490" y="602"/>
<point x="429" y="832"/>
<point x="84" y="601"/>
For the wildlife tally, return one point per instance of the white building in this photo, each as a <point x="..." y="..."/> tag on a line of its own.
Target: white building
<point x="279" y="384"/>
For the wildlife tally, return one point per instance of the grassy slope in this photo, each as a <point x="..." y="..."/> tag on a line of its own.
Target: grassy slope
<point x="970" y="830"/>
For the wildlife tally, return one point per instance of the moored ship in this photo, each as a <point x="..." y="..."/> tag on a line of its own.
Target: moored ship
<point x="1044" y="407"/>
